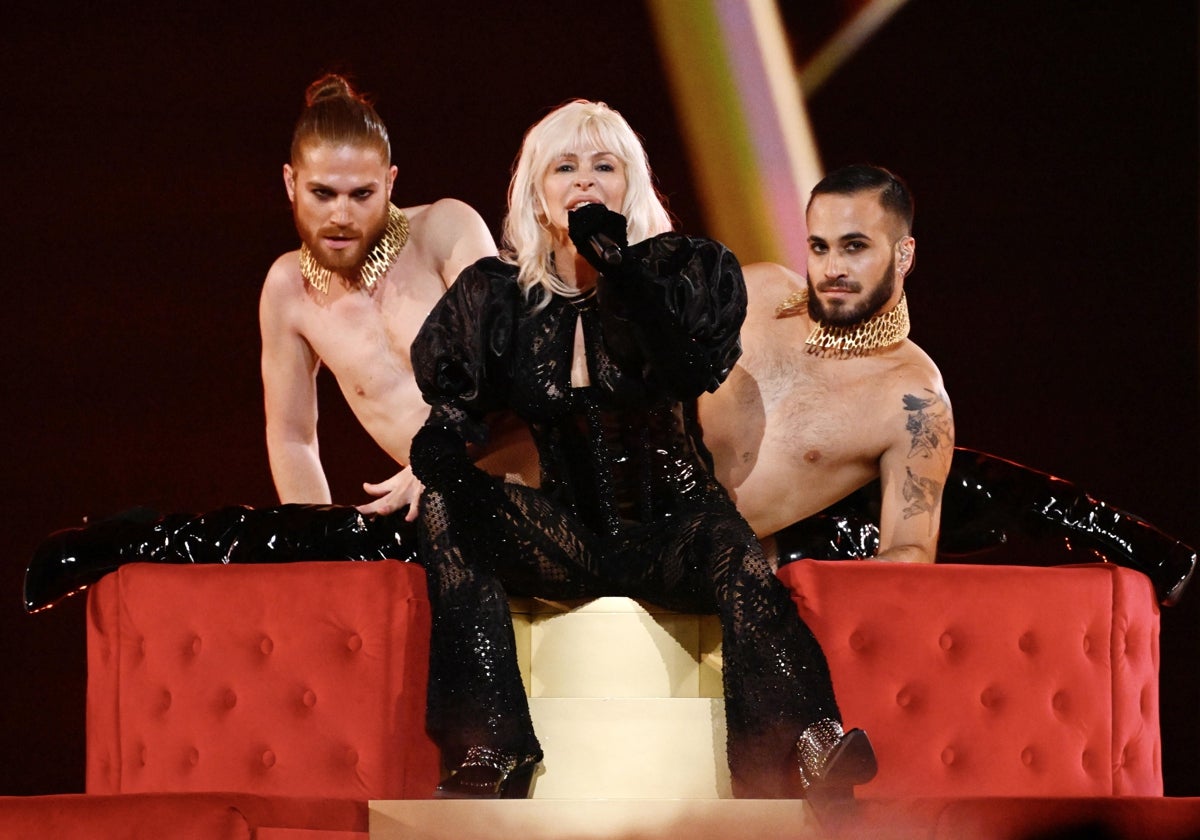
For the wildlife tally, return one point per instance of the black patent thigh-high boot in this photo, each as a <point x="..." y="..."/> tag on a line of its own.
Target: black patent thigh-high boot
<point x="998" y="511"/>
<point x="70" y="560"/>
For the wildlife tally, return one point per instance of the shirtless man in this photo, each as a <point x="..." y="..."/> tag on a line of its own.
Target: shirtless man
<point x="353" y="297"/>
<point x="829" y="394"/>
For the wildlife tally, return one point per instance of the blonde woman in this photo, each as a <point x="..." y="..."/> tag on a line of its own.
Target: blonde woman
<point x="601" y="347"/>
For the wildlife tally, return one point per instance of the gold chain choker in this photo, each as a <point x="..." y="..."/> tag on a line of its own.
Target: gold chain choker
<point x="882" y="329"/>
<point x="379" y="259"/>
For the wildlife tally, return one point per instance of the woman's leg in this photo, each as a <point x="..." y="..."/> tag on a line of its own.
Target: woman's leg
<point x="780" y="708"/>
<point x="511" y="537"/>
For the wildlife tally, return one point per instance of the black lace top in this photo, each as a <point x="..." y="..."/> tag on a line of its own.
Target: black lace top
<point x="622" y="449"/>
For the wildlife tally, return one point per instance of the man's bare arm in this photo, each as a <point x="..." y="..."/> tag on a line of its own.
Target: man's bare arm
<point x="913" y="474"/>
<point x="454" y="237"/>
<point x="289" y="369"/>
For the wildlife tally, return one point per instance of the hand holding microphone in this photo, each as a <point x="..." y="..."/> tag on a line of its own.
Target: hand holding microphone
<point x="599" y="235"/>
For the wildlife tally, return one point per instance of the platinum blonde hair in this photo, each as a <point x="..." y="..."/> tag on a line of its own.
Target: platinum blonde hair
<point x="575" y="126"/>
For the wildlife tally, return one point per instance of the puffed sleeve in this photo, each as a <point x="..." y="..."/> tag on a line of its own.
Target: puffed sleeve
<point x="460" y="361"/>
<point x="675" y="306"/>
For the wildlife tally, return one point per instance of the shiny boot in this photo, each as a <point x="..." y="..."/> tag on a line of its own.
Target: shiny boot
<point x="831" y="762"/>
<point x="486" y="773"/>
<point x="71" y="560"/>
<point x="1021" y="516"/>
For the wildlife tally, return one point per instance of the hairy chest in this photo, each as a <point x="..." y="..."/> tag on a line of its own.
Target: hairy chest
<point x="820" y="412"/>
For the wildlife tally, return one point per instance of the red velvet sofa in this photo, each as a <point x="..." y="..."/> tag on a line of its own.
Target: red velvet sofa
<point x="279" y="699"/>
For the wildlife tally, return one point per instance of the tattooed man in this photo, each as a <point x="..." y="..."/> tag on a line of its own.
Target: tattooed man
<point x="829" y="393"/>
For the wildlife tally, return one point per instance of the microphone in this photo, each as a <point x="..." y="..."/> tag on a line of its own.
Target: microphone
<point x="606" y="249"/>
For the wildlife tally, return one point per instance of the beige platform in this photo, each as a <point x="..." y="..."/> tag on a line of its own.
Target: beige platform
<point x="626" y="699"/>
<point x="747" y="819"/>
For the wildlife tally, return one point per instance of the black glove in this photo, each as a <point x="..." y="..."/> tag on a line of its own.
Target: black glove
<point x="598" y="234"/>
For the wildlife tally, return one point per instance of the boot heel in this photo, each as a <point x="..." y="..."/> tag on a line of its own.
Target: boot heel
<point x="518" y="783"/>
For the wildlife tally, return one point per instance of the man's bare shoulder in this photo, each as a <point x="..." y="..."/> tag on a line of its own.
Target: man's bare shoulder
<point x="283" y="282"/>
<point x="767" y="285"/>
<point x="441" y="223"/>
<point x="912" y="386"/>
<point x="443" y="210"/>
<point x="913" y="367"/>
<point x="450" y="235"/>
<point x="281" y="302"/>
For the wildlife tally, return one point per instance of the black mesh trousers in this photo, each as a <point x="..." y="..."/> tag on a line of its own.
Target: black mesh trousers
<point x="481" y="539"/>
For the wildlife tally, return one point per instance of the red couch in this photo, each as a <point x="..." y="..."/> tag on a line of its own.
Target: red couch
<point x="305" y="683"/>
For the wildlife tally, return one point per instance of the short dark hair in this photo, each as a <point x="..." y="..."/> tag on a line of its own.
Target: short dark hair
<point x="894" y="194"/>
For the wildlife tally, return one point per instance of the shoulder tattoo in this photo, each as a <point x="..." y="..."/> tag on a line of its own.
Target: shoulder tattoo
<point x="928" y="422"/>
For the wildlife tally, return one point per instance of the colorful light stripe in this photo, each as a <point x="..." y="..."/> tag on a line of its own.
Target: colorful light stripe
<point x="752" y="149"/>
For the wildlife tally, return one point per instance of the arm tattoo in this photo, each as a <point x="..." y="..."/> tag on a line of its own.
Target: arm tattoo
<point x="921" y="494"/>
<point x="927" y="423"/>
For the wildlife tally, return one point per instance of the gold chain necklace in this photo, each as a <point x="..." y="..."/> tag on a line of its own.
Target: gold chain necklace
<point x="379" y="258"/>
<point x="882" y="329"/>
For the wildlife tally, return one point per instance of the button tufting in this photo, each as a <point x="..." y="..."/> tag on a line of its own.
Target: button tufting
<point x="351" y="756"/>
<point x="166" y="700"/>
<point x="858" y="642"/>
<point x="230" y="699"/>
<point x="946" y="641"/>
<point x="1027" y="643"/>
<point x="904" y="698"/>
<point x="196" y="645"/>
<point x="309" y="698"/>
<point x="268" y="758"/>
<point x="948" y="756"/>
<point x="991" y="697"/>
<point x="1087" y="644"/>
<point x="1027" y="756"/>
<point x="266" y="645"/>
<point x="193" y="756"/>
<point x="354" y="643"/>
<point x="1059" y="702"/>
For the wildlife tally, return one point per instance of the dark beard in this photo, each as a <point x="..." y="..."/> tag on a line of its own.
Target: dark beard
<point x="850" y="317"/>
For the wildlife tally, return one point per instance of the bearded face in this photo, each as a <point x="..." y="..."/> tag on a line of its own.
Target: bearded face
<point x="340" y="197"/>
<point x="846" y="313"/>
<point x="341" y="247"/>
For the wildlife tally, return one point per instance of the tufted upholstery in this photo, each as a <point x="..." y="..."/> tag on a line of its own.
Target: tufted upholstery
<point x="992" y="680"/>
<point x="304" y="679"/>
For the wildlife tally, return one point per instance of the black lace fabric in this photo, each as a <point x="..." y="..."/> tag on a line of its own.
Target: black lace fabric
<point x="626" y="505"/>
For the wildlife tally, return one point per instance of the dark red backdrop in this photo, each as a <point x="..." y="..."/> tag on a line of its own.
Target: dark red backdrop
<point x="1053" y="154"/>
